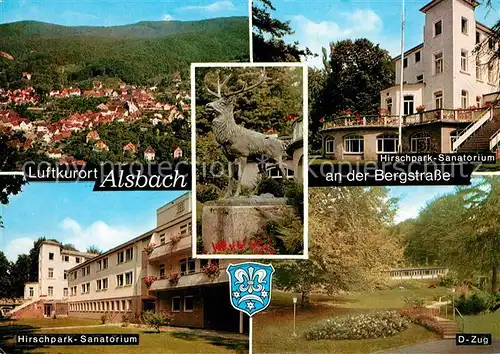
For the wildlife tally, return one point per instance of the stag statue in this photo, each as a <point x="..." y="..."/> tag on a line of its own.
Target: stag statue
<point x="238" y="142"/>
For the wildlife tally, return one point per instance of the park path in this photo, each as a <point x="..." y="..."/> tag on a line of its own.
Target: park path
<point x="444" y="346"/>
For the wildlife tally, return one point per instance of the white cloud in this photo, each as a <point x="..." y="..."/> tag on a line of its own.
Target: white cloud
<point x="18" y="246"/>
<point x="99" y="233"/>
<point x="361" y="23"/>
<point x="224" y="5"/>
<point x="167" y="17"/>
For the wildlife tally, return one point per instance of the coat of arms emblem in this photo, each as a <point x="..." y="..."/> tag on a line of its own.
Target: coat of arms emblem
<point x="250" y="286"/>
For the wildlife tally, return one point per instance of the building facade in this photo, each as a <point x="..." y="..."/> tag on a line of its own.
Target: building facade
<point x="54" y="263"/>
<point x="155" y="272"/>
<point x="448" y="85"/>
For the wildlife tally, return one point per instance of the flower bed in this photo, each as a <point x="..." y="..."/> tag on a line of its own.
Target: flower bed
<point x="423" y="317"/>
<point x="364" y="326"/>
<point x="149" y="280"/>
<point x="241" y="247"/>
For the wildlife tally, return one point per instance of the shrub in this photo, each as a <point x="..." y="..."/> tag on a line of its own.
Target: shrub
<point x="125" y="320"/>
<point x="475" y="303"/>
<point x="448" y="280"/>
<point x="205" y="193"/>
<point x="366" y="326"/>
<point x="156" y="320"/>
<point x="423" y="317"/>
<point x="414" y="301"/>
<point x="271" y="186"/>
<point x="104" y="318"/>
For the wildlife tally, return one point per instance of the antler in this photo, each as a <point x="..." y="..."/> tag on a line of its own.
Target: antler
<point x="220" y="85"/>
<point x="263" y="77"/>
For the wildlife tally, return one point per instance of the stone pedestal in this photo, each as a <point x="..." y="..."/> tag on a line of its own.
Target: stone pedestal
<point x="238" y="218"/>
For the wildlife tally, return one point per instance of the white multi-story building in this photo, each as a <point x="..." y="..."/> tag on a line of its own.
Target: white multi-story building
<point x="446" y="71"/>
<point x="54" y="262"/>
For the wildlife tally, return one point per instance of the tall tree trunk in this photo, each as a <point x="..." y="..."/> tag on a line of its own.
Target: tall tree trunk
<point x="494" y="279"/>
<point x="305" y="298"/>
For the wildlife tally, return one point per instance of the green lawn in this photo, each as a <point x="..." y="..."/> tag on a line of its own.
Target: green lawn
<point x="49" y="322"/>
<point x="173" y="341"/>
<point x="273" y="330"/>
<point x="488" y="323"/>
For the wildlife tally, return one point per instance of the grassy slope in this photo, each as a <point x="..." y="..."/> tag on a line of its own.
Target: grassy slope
<point x="273" y="329"/>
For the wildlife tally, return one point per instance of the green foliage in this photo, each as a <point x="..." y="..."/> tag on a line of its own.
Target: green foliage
<point x="355" y="327"/>
<point x="94" y="250"/>
<point x="141" y="54"/>
<point x="287" y="233"/>
<point x="271" y="186"/>
<point x="104" y="318"/>
<point x="414" y="301"/>
<point x="475" y="303"/>
<point x="205" y="193"/>
<point x="5" y="279"/>
<point x="268" y="34"/>
<point x="422" y="317"/>
<point x="448" y="280"/>
<point x="156" y="320"/>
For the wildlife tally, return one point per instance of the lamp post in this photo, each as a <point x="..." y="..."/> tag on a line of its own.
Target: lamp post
<point x="294" y="315"/>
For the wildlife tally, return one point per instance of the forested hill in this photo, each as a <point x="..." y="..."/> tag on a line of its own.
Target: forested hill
<point x="142" y="53"/>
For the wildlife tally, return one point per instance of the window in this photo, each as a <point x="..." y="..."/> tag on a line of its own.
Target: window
<point x="479" y="72"/>
<point x="77" y="259"/>
<point x="51" y="291"/>
<point x="128" y="278"/>
<point x="417" y="57"/>
<point x="119" y="280"/>
<point x="121" y="257"/>
<point x="112" y="305"/>
<point x="75" y="275"/>
<point x="463" y="61"/>
<point x="420" y="78"/>
<point x="129" y="254"/>
<point x="408" y="104"/>
<point x="405" y="62"/>
<point x="162" y="239"/>
<point x="478" y="101"/>
<point x="51" y="256"/>
<point x="478" y="37"/>
<point x="354" y="144"/>
<point x="99" y="265"/>
<point x="387" y="143"/>
<point x="420" y="142"/>
<point x="65" y="292"/>
<point x="438" y="99"/>
<point x="51" y="272"/>
<point x="176" y="304"/>
<point x="330" y="145"/>
<point x="105" y="263"/>
<point x="32" y="292"/>
<point x="465" y="25"/>
<point x="438" y="63"/>
<point x="99" y="284"/>
<point x="454" y="135"/>
<point x="162" y="270"/>
<point x="205" y="262"/>
<point x="83" y="288"/>
<point x="65" y="275"/>
<point x="464" y="99"/>
<point x="388" y="104"/>
<point x="105" y="283"/>
<point x="184" y="230"/>
<point x="88" y="287"/>
<point x="491" y="73"/>
<point x="66" y="258"/>
<point x="438" y="28"/>
<point x="123" y="305"/>
<point x="129" y="305"/>
<point x="274" y="172"/>
<point x="188" y="266"/>
<point x="188" y="303"/>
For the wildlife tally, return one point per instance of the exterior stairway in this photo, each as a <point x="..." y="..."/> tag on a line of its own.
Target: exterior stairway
<point x="479" y="141"/>
<point x="450" y="328"/>
<point x="27" y="306"/>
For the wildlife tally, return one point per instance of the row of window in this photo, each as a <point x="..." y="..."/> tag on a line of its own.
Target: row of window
<point x="102" y="306"/>
<point x="177" y="304"/>
<point x="50" y="291"/>
<point x="185" y="230"/>
<point x="103" y="263"/>
<point x="409" y="273"/>
<point x="386" y="143"/>
<point x="64" y="258"/>
<point x="123" y="279"/>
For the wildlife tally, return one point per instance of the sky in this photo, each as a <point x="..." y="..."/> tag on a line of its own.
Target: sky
<point x="318" y="22"/>
<point x="117" y="12"/>
<point x="73" y="213"/>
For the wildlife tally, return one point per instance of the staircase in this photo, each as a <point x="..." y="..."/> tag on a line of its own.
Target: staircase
<point x="450" y="328"/>
<point x="479" y="137"/>
<point x="17" y="311"/>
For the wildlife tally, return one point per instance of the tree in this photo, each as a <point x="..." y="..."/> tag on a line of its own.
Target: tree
<point x="20" y="274"/>
<point x="359" y="71"/>
<point x="5" y="280"/>
<point x="94" y="249"/>
<point x="268" y="34"/>
<point x="349" y="245"/>
<point x="317" y="103"/>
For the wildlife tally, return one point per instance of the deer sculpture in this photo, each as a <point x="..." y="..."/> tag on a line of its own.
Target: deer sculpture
<point x="238" y="142"/>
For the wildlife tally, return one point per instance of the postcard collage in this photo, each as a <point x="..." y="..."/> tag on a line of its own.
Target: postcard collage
<point x="249" y="176"/>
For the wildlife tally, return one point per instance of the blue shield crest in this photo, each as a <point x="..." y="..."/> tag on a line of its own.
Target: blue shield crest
<point x="250" y="286"/>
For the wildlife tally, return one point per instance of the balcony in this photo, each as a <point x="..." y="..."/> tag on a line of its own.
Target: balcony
<point x="437" y="115"/>
<point x="194" y="279"/>
<point x="169" y="248"/>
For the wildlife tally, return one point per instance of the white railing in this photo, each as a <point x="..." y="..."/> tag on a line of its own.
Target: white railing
<point x="23" y="305"/>
<point x="495" y="139"/>
<point x="471" y="129"/>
